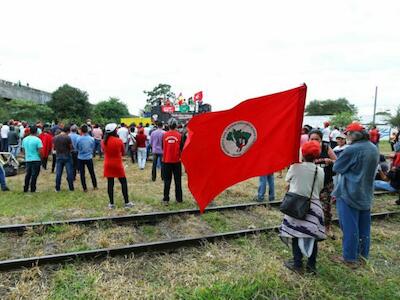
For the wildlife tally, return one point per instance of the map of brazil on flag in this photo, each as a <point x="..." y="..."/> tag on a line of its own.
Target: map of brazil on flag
<point x="257" y="137"/>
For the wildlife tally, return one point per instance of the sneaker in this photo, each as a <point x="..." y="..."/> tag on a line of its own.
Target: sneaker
<point x="290" y="265"/>
<point x="5" y="189"/>
<point x="398" y="202"/>
<point x="256" y="199"/>
<point x="57" y="191"/>
<point x="111" y="206"/>
<point x="129" y="205"/>
<point x="311" y="270"/>
<point x="339" y="259"/>
<point x="166" y="203"/>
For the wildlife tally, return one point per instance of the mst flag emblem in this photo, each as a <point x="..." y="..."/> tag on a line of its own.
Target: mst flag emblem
<point x="237" y="138"/>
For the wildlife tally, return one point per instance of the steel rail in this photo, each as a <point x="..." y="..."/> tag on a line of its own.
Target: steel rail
<point x="145" y="218"/>
<point x="160" y="246"/>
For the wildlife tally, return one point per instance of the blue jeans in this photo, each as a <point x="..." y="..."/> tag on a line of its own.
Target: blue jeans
<point x="263" y="186"/>
<point x="97" y="148"/>
<point x="356" y="228"/>
<point x="60" y="163"/>
<point x="383" y="185"/>
<point x="2" y="178"/>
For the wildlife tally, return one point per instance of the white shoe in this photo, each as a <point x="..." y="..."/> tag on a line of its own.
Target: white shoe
<point x="129" y="205"/>
<point x="111" y="206"/>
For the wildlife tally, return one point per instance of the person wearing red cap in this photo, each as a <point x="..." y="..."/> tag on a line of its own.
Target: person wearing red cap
<point x="326" y="160"/>
<point x="356" y="168"/>
<point x="305" y="234"/>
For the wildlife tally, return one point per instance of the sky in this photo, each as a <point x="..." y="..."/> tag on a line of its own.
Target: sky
<point x="231" y="50"/>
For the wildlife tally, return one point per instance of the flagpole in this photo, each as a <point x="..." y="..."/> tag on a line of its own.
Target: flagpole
<point x="376" y="96"/>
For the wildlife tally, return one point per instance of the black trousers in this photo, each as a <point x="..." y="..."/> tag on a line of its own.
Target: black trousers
<point x="154" y="167"/>
<point x="176" y="170"/>
<point x="32" y="172"/>
<point x="53" y="164"/>
<point x="44" y="162"/>
<point x="89" y="164"/>
<point x="110" y="189"/>
<point x="298" y="256"/>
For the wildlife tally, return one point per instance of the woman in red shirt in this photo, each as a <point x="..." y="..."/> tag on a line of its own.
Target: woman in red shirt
<point x="141" y="148"/>
<point x="113" y="149"/>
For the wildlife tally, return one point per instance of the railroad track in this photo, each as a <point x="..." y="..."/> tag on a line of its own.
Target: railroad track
<point x="169" y="245"/>
<point x="145" y="218"/>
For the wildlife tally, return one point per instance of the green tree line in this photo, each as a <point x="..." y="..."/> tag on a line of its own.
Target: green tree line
<point x="68" y="104"/>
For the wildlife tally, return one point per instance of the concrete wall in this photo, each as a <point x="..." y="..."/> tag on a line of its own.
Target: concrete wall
<point x="10" y="90"/>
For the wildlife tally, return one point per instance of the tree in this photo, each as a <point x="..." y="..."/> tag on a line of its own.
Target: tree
<point x="343" y="119"/>
<point x="160" y="91"/>
<point x="394" y="120"/>
<point x="70" y="103"/>
<point x="330" y="107"/>
<point x="25" y="110"/>
<point x="110" y="111"/>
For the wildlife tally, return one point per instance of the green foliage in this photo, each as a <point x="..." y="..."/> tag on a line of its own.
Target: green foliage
<point x="69" y="283"/>
<point x="109" y="111"/>
<point x="330" y="107"/>
<point x="70" y="103"/>
<point x="343" y="119"/>
<point x="160" y="91"/>
<point x="394" y="120"/>
<point x="25" y="110"/>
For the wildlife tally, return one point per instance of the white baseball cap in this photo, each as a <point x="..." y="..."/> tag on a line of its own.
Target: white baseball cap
<point x="110" y="127"/>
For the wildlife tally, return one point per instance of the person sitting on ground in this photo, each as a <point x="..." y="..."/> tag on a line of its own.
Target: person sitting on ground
<point x="305" y="234"/>
<point x="114" y="149"/>
<point x="389" y="181"/>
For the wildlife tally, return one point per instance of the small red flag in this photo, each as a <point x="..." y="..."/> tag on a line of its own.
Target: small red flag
<point x="257" y="137"/>
<point x="198" y="96"/>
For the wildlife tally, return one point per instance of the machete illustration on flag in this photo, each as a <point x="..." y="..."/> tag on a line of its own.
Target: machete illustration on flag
<point x="257" y="137"/>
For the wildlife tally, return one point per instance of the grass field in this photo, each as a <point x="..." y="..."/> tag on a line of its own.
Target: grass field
<point x="246" y="268"/>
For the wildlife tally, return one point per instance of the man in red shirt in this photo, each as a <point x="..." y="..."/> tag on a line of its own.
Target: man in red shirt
<point x="172" y="147"/>
<point x="47" y="141"/>
<point x="374" y="135"/>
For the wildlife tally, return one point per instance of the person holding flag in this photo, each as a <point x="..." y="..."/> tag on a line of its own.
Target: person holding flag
<point x="243" y="145"/>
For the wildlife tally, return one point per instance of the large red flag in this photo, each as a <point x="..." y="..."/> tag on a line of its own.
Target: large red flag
<point x="257" y="137"/>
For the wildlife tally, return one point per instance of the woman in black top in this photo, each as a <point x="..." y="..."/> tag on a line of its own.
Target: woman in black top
<point x="326" y="160"/>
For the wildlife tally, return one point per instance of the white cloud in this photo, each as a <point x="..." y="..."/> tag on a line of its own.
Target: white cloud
<point x="232" y="50"/>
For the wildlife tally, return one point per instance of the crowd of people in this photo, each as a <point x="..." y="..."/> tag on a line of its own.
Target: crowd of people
<point x="338" y="167"/>
<point x="73" y="148"/>
<point x="341" y="168"/>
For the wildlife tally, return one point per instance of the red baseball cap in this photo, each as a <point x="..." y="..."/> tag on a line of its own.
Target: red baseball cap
<point x="312" y="148"/>
<point x="354" y="127"/>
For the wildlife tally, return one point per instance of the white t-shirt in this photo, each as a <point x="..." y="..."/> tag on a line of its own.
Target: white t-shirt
<point x="325" y="134"/>
<point x="334" y="134"/>
<point x="300" y="178"/>
<point x="123" y="134"/>
<point x="5" y="129"/>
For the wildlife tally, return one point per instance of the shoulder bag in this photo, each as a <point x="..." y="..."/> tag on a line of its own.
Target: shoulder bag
<point x="295" y="205"/>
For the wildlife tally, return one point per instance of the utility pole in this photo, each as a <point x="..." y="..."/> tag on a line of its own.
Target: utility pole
<point x="376" y="96"/>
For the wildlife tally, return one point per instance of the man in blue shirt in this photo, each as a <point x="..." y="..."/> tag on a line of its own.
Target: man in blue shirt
<point x="85" y="146"/>
<point x="32" y="146"/>
<point x="356" y="169"/>
<point x="73" y="134"/>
